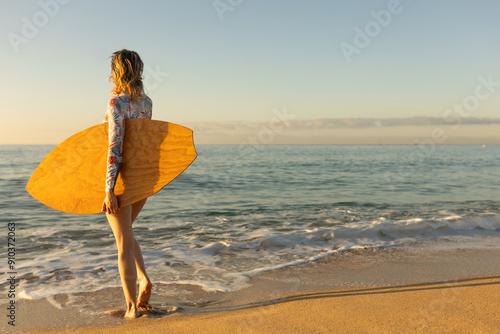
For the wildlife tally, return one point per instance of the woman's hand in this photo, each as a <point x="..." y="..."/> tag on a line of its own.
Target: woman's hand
<point x="110" y="204"/>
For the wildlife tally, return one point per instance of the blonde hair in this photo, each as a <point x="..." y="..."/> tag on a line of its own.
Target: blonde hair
<point x="126" y="73"/>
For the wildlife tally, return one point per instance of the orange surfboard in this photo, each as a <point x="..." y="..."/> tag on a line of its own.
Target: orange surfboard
<point x="72" y="176"/>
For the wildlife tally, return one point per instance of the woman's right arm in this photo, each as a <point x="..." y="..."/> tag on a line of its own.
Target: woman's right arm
<point x="116" y="131"/>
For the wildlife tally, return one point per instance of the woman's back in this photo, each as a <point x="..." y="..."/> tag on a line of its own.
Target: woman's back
<point x="121" y="106"/>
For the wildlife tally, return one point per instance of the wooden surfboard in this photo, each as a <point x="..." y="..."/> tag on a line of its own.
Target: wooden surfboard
<point x="72" y="176"/>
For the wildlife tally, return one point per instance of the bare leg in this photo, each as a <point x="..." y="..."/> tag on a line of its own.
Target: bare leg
<point x="145" y="284"/>
<point x="121" y="224"/>
<point x="136" y="208"/>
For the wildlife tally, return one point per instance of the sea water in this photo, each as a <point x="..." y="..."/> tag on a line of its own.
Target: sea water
<point x="240" y="210"/>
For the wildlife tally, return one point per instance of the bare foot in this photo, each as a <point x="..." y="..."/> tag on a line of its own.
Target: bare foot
<point x="131" y="314"/>
<point x="144" y="292"/>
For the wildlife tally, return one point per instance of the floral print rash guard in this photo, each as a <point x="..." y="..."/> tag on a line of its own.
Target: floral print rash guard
<point x="121" y="108"/>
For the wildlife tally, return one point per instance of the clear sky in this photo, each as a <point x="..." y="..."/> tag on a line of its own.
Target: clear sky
<point x="238" y="60"/>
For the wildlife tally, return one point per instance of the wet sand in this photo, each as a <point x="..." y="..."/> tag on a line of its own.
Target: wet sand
<point x="439" y="287"/>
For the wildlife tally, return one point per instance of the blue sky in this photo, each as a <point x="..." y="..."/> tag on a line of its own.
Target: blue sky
<point x="240" y="64"/>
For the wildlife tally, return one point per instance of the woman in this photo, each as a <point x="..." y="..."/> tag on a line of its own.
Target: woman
<point x="129" y="101"/>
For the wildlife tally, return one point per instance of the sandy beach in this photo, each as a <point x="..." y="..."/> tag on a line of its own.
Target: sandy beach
<point x="425" y="288"/>
<point x="463" y="306"/>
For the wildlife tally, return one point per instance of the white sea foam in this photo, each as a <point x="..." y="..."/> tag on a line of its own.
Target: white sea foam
<point x="223" y="255"/>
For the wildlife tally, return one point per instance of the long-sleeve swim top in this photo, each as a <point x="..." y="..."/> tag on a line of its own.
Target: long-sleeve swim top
<point x="119" y="109"/>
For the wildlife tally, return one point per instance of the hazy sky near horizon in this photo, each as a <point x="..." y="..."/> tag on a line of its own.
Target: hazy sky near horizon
<point x="224" y="61"/>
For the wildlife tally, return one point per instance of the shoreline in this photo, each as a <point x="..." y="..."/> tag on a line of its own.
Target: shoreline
<point x="359" y="276"/>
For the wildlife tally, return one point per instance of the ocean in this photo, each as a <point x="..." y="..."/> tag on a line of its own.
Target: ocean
<point x="240" y="210"/>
